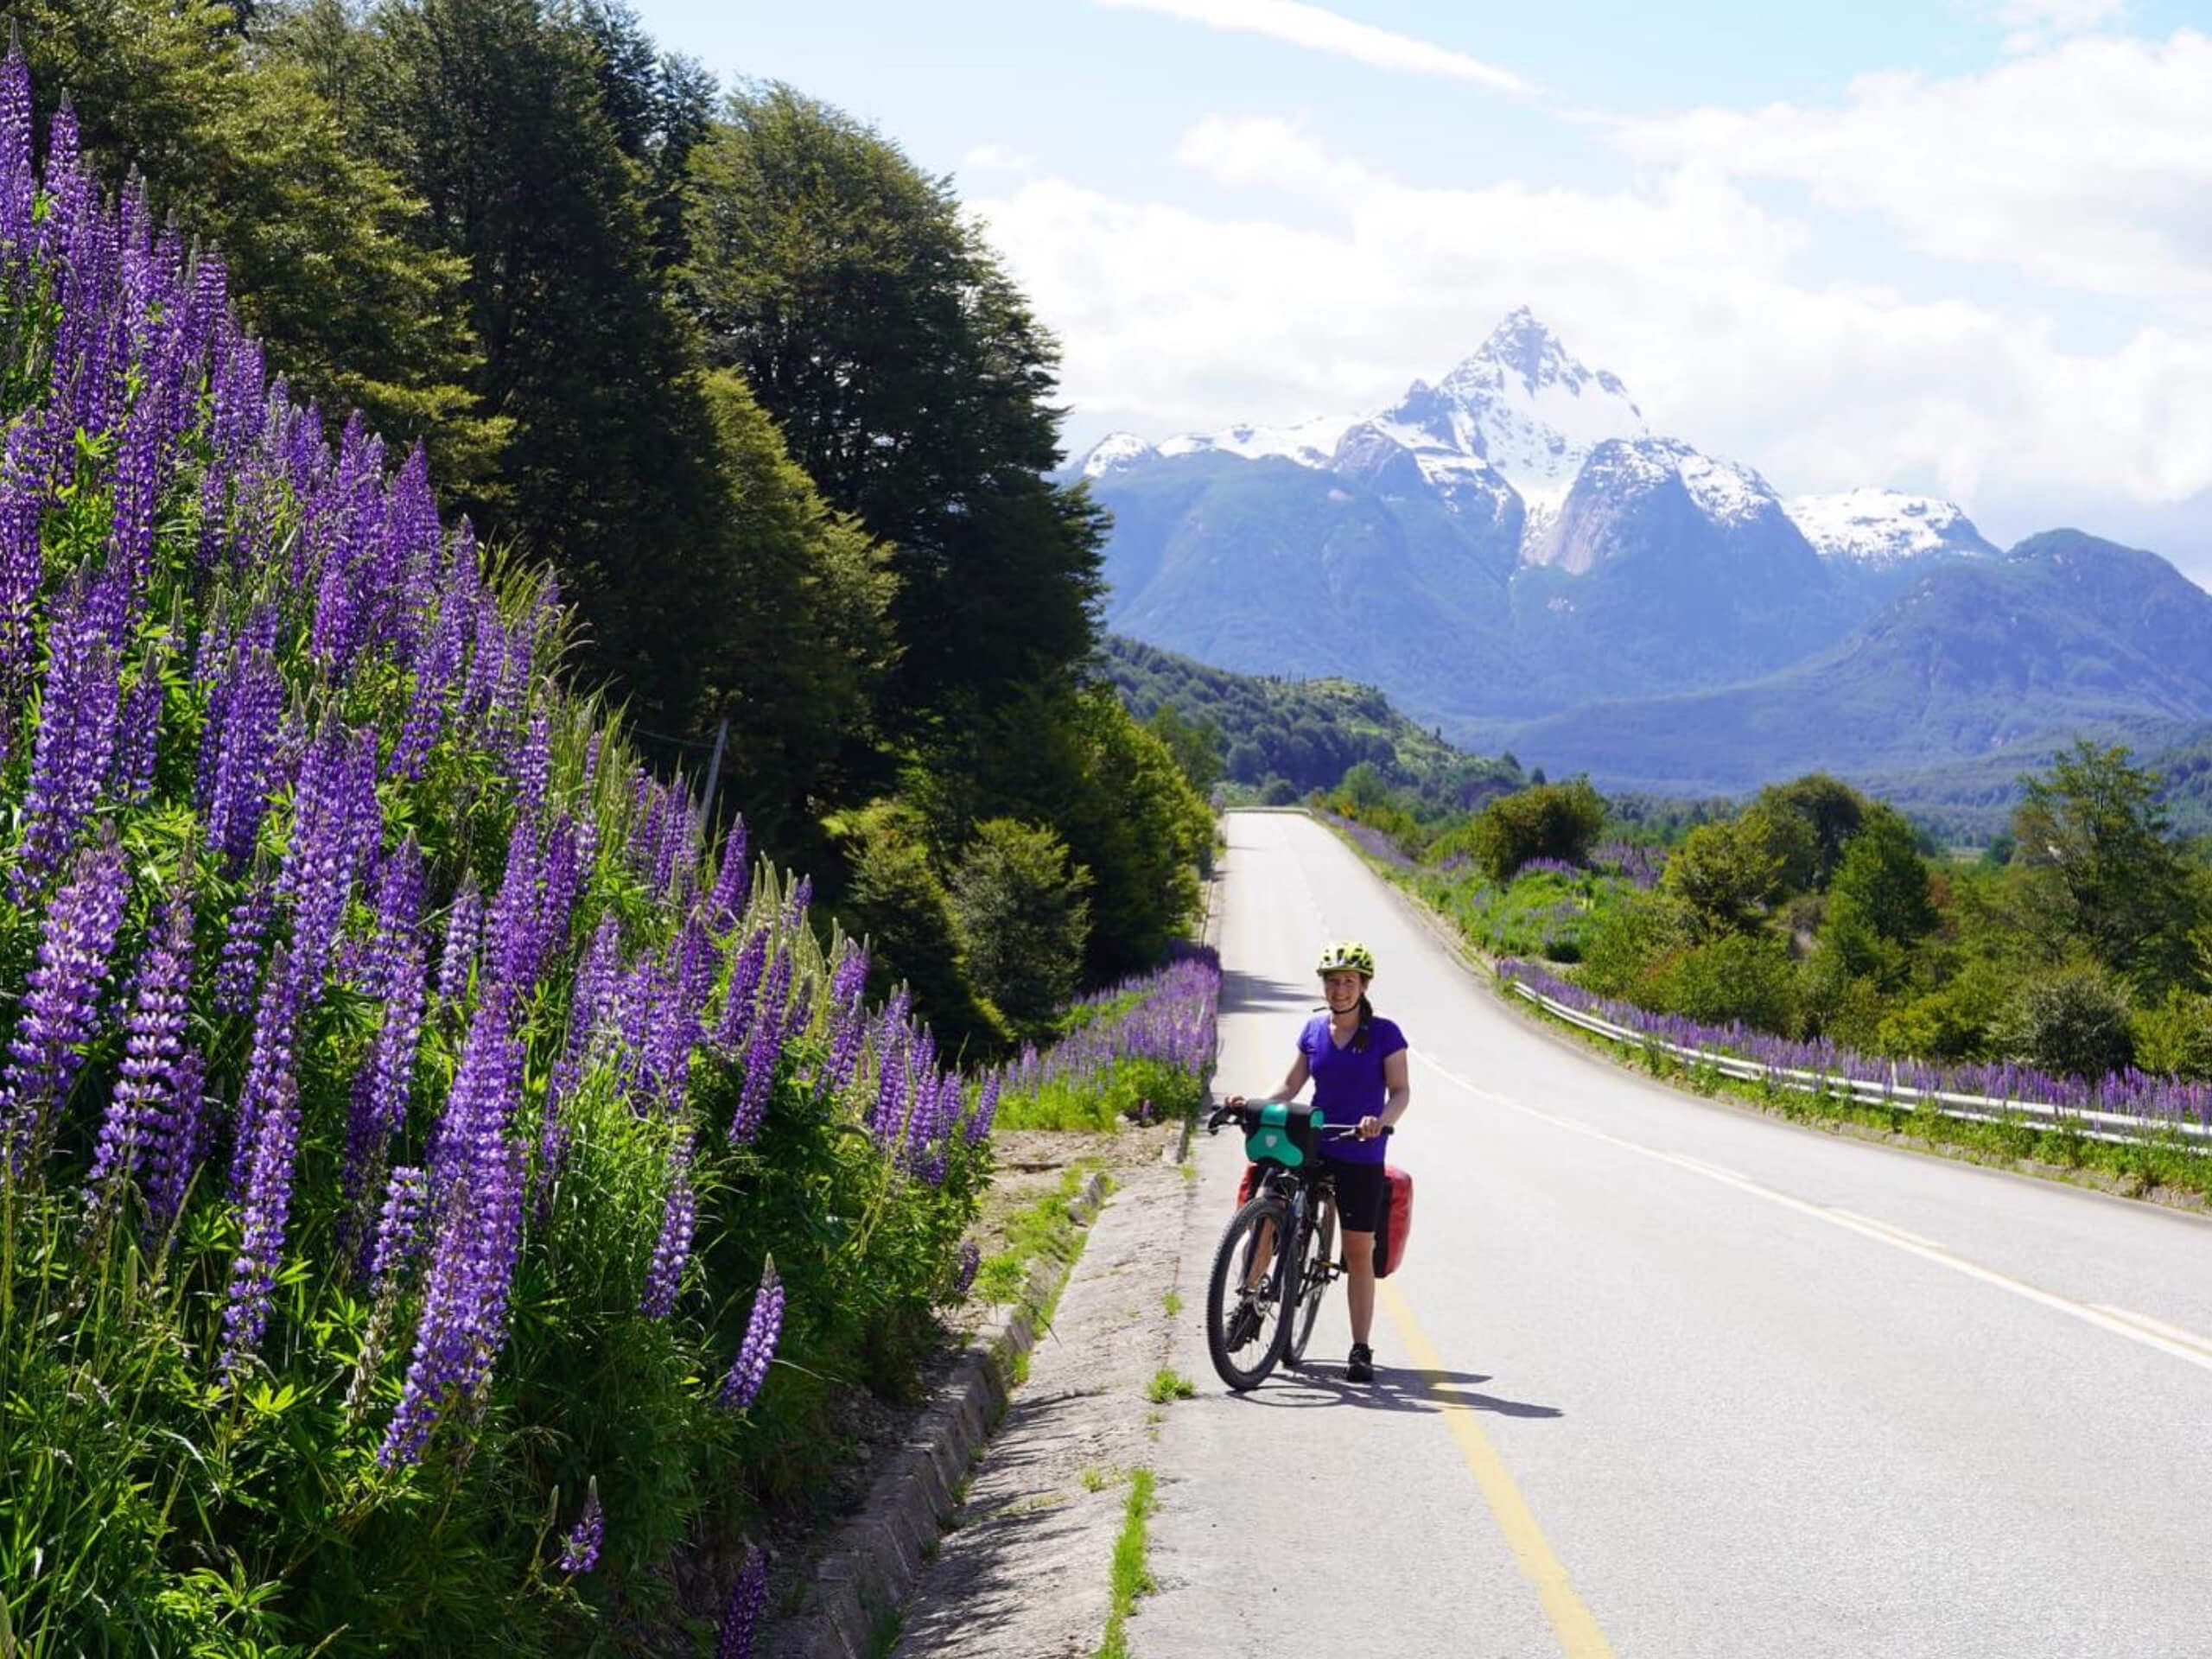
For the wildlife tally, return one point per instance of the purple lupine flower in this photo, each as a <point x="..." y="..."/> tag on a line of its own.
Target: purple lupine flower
<point x="238" y="767"/>
<point x="399" y="1226"/>
<point x="802" y="895"/>
<point x="463" y="925"/>
<point x="736" y="1023"/>
<point x="261" y="1168"/>
<point x="596" y="985"/>
<point x="664" y="1276"/>
<point x="400" y="881"/>
<point x="380" y="1087"/>
<point x="509" y="925"/>
<point x="963" y="1273"/>
<point x="22" y="571"/>
<point x="741" y="1618"/>
<point x="18" y="181"/>
<point x="435" y="668"/>
<point x="579" y="1554"/>
<point x="58" y="1010"/>
<point x="476" y="1192"/>
<point x="152" y="1046"/>
<point x="761" y="1052"/>
<point x="336" y="826"/>
<point x="750" y="1368"/>
<point x="79" y="715"/>
<point x="534" y="766"/>
<point x="141" y="726"/>
<point x="178" y="1141"/>
<point x="987" y="1108"/>
<point x="487" y="1082"/>
<point x="726" y="904"/>
<point x="244" y="929"/>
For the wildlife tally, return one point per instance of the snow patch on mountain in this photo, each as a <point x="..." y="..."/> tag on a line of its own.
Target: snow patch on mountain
<point x="1308" y="442"/>
<point x="1881" y="528"/>
<point x="1114" y="452"/>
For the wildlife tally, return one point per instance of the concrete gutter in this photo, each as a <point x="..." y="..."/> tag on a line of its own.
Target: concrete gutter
<point x="875" y="1561"/>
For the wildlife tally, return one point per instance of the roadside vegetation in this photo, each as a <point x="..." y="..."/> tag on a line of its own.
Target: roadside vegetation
<point x="2071" y="962"/>
<point x="453" y="1177"/>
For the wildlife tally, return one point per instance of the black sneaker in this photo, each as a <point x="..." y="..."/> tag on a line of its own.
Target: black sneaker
<point x="1361" y="1367"/>
<point x="1244" y="1325"/>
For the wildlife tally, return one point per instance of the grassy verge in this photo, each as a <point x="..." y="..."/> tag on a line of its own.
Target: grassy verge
<point x="1132" y="1576"/>
<point x="1046" y="1231"/>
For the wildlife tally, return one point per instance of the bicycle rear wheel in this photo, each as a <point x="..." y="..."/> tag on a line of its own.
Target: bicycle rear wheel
<point x="1250" y="1294"/>
<point x="1317" y="1254"/>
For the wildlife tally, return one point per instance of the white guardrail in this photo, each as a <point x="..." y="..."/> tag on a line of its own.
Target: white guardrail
<point x="2118" y="1127"/>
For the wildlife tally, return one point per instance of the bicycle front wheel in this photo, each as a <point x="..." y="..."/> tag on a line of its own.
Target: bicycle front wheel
<point x="1250" y="1295"/>
<point x="1318" y="1253"/>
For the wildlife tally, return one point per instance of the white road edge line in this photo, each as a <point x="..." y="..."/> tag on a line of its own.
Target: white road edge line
<point x="2185" y="1345"/>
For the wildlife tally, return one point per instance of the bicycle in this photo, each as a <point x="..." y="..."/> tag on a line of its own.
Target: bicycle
<point x="1289" y="1221"/>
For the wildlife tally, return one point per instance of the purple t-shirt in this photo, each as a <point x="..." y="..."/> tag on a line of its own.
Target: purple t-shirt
<point x="1348" y="1085"/>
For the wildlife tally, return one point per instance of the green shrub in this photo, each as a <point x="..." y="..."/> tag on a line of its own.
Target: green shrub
<point x="1740" y="976"/>
<point x="1624" y="942"/>
<point x="2074" y="1021"/>
<point x="1562" y="820"/>
<point x="2175" y="1036"/>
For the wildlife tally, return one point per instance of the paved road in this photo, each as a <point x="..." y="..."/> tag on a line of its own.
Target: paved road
<point x="1665" y="1377"/>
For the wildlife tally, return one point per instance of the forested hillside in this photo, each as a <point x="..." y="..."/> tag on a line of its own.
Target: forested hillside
<point x="738" y="371"/>
<point x="1290" y="737"/>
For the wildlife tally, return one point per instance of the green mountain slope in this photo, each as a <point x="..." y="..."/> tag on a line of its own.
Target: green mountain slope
<point x="1309" y="732"/>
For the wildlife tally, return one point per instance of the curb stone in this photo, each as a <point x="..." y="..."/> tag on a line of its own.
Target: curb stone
<point x="875" y="1561"/>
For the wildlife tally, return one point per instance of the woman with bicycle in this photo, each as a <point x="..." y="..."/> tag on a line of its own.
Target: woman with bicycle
<point x="1357" y="1061"/>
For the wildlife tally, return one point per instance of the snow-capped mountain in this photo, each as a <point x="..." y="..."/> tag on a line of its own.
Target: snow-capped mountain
<point x="1518" y="418"/>
<point x="1879" y="529"/>
<point x="1512" y="539"/>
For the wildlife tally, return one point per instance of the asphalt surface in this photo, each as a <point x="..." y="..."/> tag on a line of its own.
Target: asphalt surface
<point x="1665" y="1376"/>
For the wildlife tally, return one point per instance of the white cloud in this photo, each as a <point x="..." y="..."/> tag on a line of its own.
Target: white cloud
<point x="997" y="158"/>
<point x="1321" y="30"/>
<point x="2083" y="167"/>
<point x="2034" y="22"/>
<point x="1682" y="283"/>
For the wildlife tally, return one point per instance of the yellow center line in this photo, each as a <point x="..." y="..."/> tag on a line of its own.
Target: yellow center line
<point x="1572" y="1621"/>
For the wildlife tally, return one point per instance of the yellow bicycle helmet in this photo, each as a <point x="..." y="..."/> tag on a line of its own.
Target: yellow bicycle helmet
<point x="1347" y="954"/>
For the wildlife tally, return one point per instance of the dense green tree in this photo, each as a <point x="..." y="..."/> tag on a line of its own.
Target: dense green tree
<point x="1023" y="918"/>
<point x="239" y="141"/>
<point x="1077" y="761"/>
<point x="1831" y="811"/>
<point x="1726" y="875"/>
<point x="2101" y="857"/>
<point x="801" y="635"/>
<point x="710" y="581"/>
<point x="912" y="384"/>
<point x="1880" y="896"/>
<point x="894" y="900"/>
<point x="1196" y="744"/>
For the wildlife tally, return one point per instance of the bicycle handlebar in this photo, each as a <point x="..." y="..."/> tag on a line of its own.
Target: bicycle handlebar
<point x="1225" y="1114"/>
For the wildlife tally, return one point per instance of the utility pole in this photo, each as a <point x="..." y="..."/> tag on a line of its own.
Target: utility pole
<point x="714" y="775"/>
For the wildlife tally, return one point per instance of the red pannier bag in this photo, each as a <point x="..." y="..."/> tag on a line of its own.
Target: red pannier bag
<point x="1397" y="1223"/>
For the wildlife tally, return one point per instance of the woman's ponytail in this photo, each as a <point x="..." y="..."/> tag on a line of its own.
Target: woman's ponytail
<point x="1359" y="1038"/>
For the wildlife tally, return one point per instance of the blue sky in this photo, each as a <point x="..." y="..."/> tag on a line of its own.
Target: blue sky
<point x="1963" y="246"/>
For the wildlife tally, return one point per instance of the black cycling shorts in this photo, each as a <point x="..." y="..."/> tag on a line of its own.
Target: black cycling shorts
<point x="1360" y="1192"/>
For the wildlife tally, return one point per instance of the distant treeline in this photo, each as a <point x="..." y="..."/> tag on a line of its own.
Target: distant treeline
<point x="1284" y="739"/>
